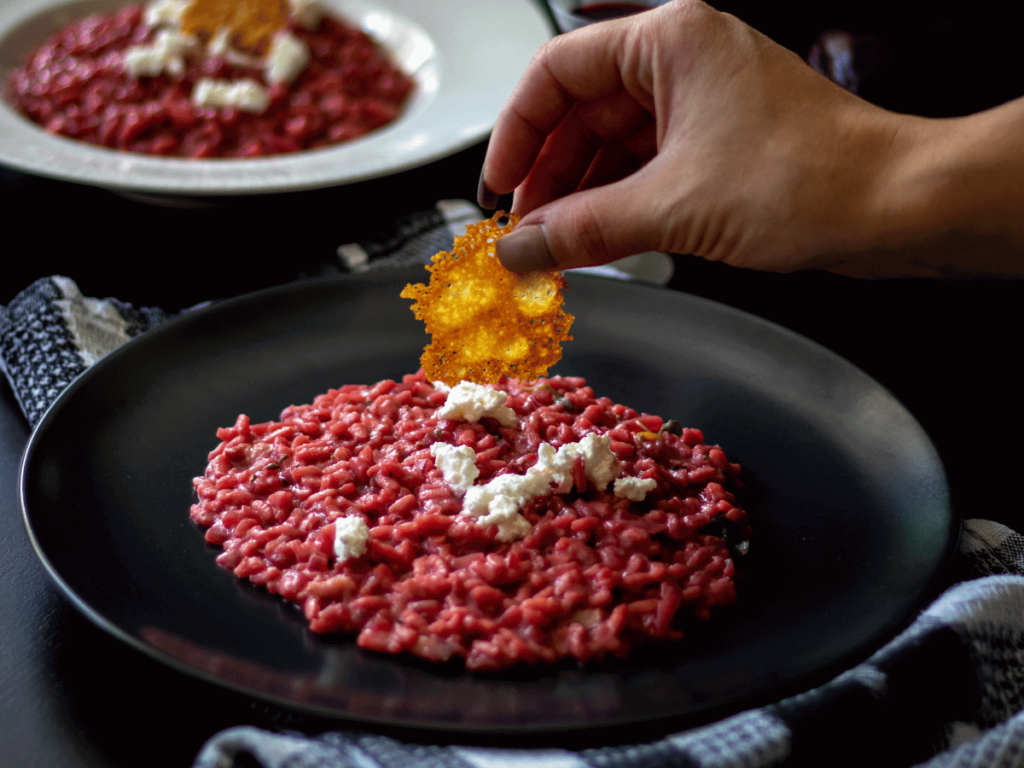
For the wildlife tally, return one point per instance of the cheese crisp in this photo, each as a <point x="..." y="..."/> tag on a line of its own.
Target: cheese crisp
<point x="252" y="22"/>
<point x="486" y="322"/>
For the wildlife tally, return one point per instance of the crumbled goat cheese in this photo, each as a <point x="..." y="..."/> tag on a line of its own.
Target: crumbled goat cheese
<point x="499" y="501"/>
<point x="306" y="12"/>
<point x="165" y="54"/>
<point x="165" y="13"/>
<point x="246" y="95"/>
<point x="286" y="59"/>
<point x="457" y="465"/>
<point x="599" y="463"/>
<point x="634" y="488"/>
<point x="220" y="46"/>
<point x="350" y="536"/>
<point x="471" y="402"/>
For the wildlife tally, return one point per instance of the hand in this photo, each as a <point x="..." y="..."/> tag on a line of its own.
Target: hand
<point x="684" y="130"/>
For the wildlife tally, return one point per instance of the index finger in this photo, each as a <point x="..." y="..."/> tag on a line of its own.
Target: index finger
<point x="580" y="66"/>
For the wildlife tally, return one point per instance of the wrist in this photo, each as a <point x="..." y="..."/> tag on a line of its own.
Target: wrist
<point x="948" y="200"/>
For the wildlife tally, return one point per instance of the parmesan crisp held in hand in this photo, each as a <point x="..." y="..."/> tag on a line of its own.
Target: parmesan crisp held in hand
<point x="484" y="321"/>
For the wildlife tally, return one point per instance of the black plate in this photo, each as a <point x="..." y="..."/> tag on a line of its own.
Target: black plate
<point x="847" y="496"/>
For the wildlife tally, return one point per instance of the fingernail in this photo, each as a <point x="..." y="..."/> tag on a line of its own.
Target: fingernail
<point x="525" y="249"/>
<point x="487" y="199"/>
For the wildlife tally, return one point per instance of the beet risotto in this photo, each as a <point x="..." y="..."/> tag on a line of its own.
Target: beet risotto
<point x="131" y="80"/>
<point x="525" y="522"/>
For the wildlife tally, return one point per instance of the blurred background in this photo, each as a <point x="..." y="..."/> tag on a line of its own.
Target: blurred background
<point x="937" y="59"/>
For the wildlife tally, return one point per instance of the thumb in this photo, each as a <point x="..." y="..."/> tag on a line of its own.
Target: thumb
<point x="583" y="229"/>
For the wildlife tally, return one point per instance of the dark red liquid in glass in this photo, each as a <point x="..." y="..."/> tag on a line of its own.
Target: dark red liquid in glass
<point x="602" y="11"/>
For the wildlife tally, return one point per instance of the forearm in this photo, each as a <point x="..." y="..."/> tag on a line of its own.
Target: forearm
<point x="950" y="199"/>
<point x="710" y="139"/>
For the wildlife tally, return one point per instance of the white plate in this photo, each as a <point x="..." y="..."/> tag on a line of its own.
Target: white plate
<point x="465" y="55"/>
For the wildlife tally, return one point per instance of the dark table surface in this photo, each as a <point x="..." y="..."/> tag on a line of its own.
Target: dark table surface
<point x="71" y="695"/>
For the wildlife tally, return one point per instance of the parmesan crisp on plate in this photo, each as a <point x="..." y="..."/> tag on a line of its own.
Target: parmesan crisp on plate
<point x="252" y="22"/>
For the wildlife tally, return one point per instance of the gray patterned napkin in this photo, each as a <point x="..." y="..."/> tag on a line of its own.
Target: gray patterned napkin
<point x="50" y="334"/>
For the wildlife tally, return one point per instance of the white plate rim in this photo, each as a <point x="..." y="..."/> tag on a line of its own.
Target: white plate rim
<point x="469" y="56"/>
